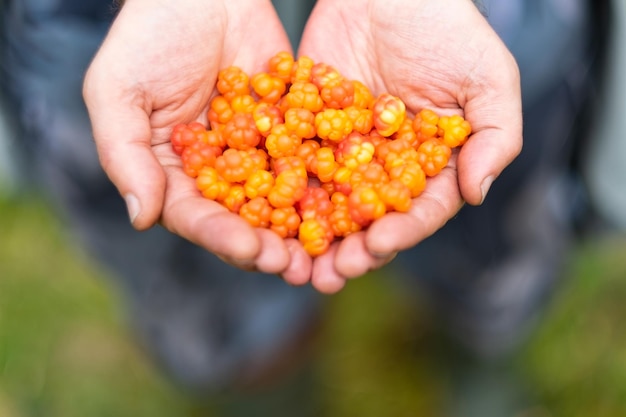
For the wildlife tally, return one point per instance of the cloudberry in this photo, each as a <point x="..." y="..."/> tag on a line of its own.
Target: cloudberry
<point x="309" y="154"/>
<point x="241" y="132"/>
<point x="304" y="95"/>
<point x="389" y="113"/>
<point x="301" y="70"/>
<point x="184" y="135"/>
<point x="285" y="221"/>
<point x="323" y="165"/>
<point x="338" y="93"/>
<point x="235" y="165"/>
<point x="354" y="150"/>
<point x="362" y="119"/>
<point x="211" y="185"/>
<point x="433" y="156"/>
<point x="220" y="112"/>
<point x="281" y="142"/>
<point x="315" y="235"/>
<point x="269" y="88"/>
<point x="232" y="81"/>
<point x="243" y="104"/>
<point x="257" y="211"/>
<point x="259" y="184"/>
<point x="197" y="156"/>
<point x="363" y="97"/>
<point x="333" y="124"/>
<point x="301" y="122"/>
<point x="425" y="125"/>
<point x="322" y="75"/>
<point x="281" y="65"/>
<point x="314" y="203"/>
<point x="235" y="199"/>
<point x="455" y="130"/>
<point x="395" y="195"/>
<point x="365" y="205"/>
<point x="288" y="189"/>
<point x="411" y="175"/>
<point x="266" y="116"/>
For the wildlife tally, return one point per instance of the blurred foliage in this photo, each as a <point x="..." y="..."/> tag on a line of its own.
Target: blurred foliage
<point x="65" y="349"/>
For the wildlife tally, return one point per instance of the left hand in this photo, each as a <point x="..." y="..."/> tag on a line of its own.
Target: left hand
<point x="441" y="55"/>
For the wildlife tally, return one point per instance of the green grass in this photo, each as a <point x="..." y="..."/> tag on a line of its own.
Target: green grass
<point x="65" y="350"/>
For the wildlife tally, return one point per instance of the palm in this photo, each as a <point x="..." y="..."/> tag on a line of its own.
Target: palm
<point x="166" y="60"/>
<point x="454" y="64"/>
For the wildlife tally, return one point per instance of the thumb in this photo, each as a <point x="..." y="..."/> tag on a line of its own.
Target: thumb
<point x="123" y="140"/>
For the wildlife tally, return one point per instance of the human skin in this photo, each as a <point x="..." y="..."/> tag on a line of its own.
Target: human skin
<point x="158" y="65"/>
<point x="441" y="55"/>
<point x="156" y="68"/>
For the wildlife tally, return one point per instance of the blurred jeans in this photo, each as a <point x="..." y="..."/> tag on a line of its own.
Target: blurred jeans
<point x="206" y="321"/>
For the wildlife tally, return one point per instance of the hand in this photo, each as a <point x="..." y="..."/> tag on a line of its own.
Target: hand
<point x="157" y="68"/>
<point x="437" y="54"/>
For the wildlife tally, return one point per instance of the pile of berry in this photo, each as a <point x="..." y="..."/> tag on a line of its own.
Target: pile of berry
<point x="307" y="153"/>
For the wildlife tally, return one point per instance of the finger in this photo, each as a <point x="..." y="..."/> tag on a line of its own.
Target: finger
<point x="353" y="259"/>
<point x="299" y="270"/>
<point x="396" y="231"/>
<point x="274" y="257"/>
<point x="324" y="277"/>
<point x="496" y="119"/>
<point x="208" y="223"/>
<point x="122" y="135"/>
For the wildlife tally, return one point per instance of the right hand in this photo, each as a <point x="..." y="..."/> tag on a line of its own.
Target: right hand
<point x="156" y="68"/>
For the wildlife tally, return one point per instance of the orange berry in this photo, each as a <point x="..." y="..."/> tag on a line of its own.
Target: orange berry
<point x="395" y="195"/>
<point x="244" y="103"/>
<point x="241" y="132"/>
<point x="455" y="130"/>
<point x="235" y="165"/>
<point x="337" y="93"/>
<point x="323" y="74"/>
<point x="324" y="164"/>
<point x="197" y="156"/>
<point x="433" y="156"/>
<point x="266" y="116"/>
<point x="281" y="142"/>
<point x="232" y="81"/>
<point x="315" y="235"/>
<point x="365" y="205"/>
<point x="220" y="112"/>
<point x="301" y="70"/>
<point x="314" y="203"/>
<point x="363" y="97"/>
<point x="285" y="221"/>
<point x="332" y="124"/>
<point x="257" y="212"/>
<point x="288" y="189"/>
<point x="259" y="184"/>
<point x="303" y="95"/>
<point x="301" y="122"/>
<point x="269" y="88"/>
<point x="425" y="125"/>
<point x="281" y="66"/>
<point x="411" y="175"/>
<point x="362" y="119"/>
<point x="235" y="199"/>
<point x="354" y="150"/>
<point x="389" y="113"/>
<point x="211" y="185"/>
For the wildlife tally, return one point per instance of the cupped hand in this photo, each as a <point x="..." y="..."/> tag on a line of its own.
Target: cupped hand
<point x="156" y="68"/>
<point x="438" y="54"/>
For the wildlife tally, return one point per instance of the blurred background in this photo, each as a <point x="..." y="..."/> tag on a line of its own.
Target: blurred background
<point x="66" y="349"/>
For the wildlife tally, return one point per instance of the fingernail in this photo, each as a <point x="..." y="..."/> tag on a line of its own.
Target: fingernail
<point x="484" y="187"/>
<point x="133" y="206"/>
